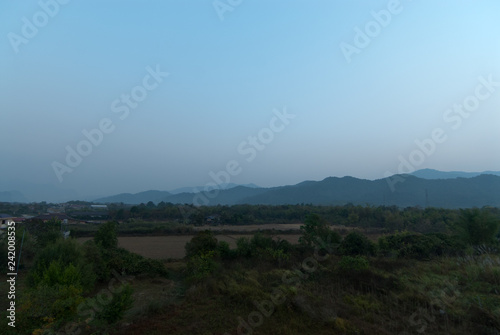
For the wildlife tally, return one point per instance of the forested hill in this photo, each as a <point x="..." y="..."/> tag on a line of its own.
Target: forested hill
<point x="399" y="190"/>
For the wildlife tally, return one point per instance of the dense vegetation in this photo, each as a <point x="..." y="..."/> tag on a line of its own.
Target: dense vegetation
<point x="59" y="282"/>
<point x="389" y="218"/>
<point x="444" y="280"/>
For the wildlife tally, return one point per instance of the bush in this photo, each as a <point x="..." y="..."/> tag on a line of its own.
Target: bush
<point x="243" y="247"/>
<point x="202" y="266"/>
<point x="56" y="303"/>
<point x="264" y="248"/>
<point x="62" y="263"/>
<point x="106" y="236"/>
<point x="225" y="252"/>
<point x="119" y="304"/>
<point x="202" y="243"/>
<point x="354" y="263"/>
<point x="477" y="226"/>
<point x="356" y="243"/>
<point x="317" y="231"/>
<point x="418" y="246"/>
<point x="94" y="255"/>
<point x="45" y="233"/>
<point x="122" y="260"/>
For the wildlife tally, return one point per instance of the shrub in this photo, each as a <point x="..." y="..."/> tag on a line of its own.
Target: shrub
<point x="243" y="247"/>
<point x="94" y="255"/>
<point x="418" y="246"/>
<point x="202" y="266"/>
<point x="224" y="251"/>
<point x="317" y="231"/>
<point x="356" y="243"/>
<point x="106" y="236"/>
<point x="122" y="260"/>
<point x="57" y="303"/>
<point x="62" y="263"/>
<point x="202" y="243"/>
<point x="477" y="226"/>
<point x="353" y="263"/>
<point x="264" y="248"/>
<point x="45" y="233"/>
<point x="119" y="304"/>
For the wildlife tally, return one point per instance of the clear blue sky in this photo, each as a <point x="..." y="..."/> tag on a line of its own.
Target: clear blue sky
<point x="354" y="115"/>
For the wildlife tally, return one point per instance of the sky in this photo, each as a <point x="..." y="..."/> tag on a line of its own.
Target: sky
<point x="107" y="96"/>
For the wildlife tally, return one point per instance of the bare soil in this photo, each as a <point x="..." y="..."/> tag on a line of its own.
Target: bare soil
<point x="165" y="247"/>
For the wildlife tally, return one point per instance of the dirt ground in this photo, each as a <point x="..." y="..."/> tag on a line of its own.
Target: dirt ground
<point x="252" y="228"/>
<point x="164" y="247"/>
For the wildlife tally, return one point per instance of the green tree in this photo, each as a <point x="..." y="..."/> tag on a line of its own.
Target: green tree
<point x="317" y="231"/>
<point x="477" y="226"/>
<point x="356" y="243"/>
<point x="202" y="243"/>
<point x="106" y="236"/>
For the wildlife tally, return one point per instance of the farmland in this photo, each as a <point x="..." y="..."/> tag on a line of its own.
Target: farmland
<point x="172" y="246"/>
<point x="318" y="277"/>
<point x="165" y="247"/>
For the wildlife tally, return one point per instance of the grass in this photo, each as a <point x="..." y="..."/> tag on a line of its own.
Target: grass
<point x="440" y="296"/>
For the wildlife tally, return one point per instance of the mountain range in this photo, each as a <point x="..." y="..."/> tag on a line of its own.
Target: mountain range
<point x="436" y="174"/>
<point x="399" y="190"/>
<point x="425" y="187"/>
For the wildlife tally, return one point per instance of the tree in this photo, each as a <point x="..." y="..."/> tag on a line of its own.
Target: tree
<point x="477" y="226"/>
<point x="45" y="233"/>
<point x="202" y="243"/>
<point x="356" y="243"/>
<point x="106" y="236"/>
<point x="317" y="231"/>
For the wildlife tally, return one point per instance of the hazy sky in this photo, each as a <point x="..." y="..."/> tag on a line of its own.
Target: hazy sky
<point x="269" y="92"/>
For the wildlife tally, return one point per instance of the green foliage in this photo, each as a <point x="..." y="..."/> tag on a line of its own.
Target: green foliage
<point x="419" y="246"/>
<point x="278" y="256"/>
<point x="58" y="274"/>
<point x="93" y="255"/>
<point x="57" y="303"/>
<point x="477" y="226"/>
<point x="46" y="233"/>
<point x="119" y="304"/>
<point x="62" y="264"/>
<point x="354" y="263"/>
<point x="356" y="243"/>
<point x="315" y="230"/>
<point x="225" y="252"/>
<point x="202" y="243"/>
<point x="106" y="236"/>
<point x="264" y="248"/>
<point x="202" y="265"/>
<point x="243" y="247"/>
<point x="124" y="261"/>
<point x="261" y="241"/>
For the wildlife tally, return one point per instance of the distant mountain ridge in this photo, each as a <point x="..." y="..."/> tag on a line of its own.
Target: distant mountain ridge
<point x="137" y="198"/>
<point x="436" y="174"/>
<point x="332" y="190"/>
<point x="407" y="191"/>
<point x="202" y="188"/>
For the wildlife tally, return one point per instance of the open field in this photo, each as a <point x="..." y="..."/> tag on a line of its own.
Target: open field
<point x="164" y="247"/>
<point x="172" y="246"/>
<point x="252" y="228"/>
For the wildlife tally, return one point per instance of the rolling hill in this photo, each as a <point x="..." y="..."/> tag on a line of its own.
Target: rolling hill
<point x="478" y="191"/>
